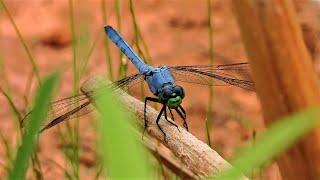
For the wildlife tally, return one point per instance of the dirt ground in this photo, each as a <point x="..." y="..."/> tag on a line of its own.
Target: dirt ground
<point x="176" y="34"/>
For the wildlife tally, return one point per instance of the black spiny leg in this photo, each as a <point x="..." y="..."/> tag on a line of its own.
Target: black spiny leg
<point x="185" y="117"/>
<point x="183" y="111"/>
<point x="157" y="121"/>
<point x="145" y="111"/>
<point x="166" y="117"/>
<point x="171" y="114"/>
<point x="182" y="114"/>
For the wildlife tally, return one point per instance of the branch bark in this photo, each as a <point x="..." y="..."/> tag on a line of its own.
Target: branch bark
<point x="284" y="76"/>
<point x="193" y="153"/>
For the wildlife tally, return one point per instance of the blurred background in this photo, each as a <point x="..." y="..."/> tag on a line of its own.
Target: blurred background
<point x="170" y="33"/>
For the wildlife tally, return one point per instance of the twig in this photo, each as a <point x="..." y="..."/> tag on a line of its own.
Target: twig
<point x="175" y="166"/>
<point x="196" y="155"/>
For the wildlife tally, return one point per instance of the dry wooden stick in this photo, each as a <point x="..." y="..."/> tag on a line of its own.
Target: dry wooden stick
<point x="284" y="76"/>
<point x="165" y="158"/>
<point x="193" y="153"/>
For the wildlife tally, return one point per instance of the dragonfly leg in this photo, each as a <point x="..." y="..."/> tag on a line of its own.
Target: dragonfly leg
<point x="145" y="112"/>
<point x="183" y="111"/>
<point x="185" y="117"/>
<point x="157" y="122"/>
<point x="182" y="114"/>
<point x="166" y="117"/>
<point x="171" y="114"/>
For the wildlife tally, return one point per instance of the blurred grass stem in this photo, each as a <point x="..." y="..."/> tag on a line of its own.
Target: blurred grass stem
<point x="30" y="57"/>
<point x="211" y="58"/>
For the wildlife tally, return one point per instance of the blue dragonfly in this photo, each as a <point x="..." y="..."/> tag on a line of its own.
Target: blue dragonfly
<point x="161" y="82"/>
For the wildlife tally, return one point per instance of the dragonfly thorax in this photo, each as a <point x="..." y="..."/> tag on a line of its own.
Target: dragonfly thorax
<point x="157" y="78"/>
<point x="171" y="95"/>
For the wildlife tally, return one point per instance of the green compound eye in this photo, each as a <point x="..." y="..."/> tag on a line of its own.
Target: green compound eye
<point x="174" y="101"/>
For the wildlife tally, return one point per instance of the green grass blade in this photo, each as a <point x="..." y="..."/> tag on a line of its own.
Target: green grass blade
<point x="84" y="49"/>
<point x="30" y="57"/>
<point x="210" y="43"/>
<point x="27" y="89"/>
<point x="124" y="157"/>
<point x="78" y="41"/>
<point x="137" y="33"/>
<point x="8" y="152"/>
<point x="208" y="126"/>
<point x="275" y="140"/>
<point x="106" y="42"/>
<point x="88" y="56"/>
<point x="58" y="166"/>
<point x="137" y="37"/>
<point x="123" y="61"/>
<point x="3" y="75"/>
<point x="74" y="45"/>
<point x="118" y="14"/>
<point x="41" y="108"/>
<point x="145" y="46"/>
<point x="12" y="105"/>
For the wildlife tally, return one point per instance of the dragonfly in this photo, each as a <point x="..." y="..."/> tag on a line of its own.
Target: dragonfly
<point x="161" y="82"/>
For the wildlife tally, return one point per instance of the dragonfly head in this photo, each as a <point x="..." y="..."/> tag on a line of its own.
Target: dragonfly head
<point x="172" y="96"/>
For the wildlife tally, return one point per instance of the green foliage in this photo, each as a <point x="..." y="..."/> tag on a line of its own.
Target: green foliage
<point x="124" y="156"/>
<point x="275" y="140"/>
<point x="29" y="138"/>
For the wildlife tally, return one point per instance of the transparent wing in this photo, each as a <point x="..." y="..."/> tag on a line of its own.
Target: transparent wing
<point x="79" y="105"/>
<point x="237" y="74"/>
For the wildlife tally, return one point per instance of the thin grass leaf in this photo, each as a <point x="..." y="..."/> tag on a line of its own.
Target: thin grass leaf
<point x="145" y="47"/>
<point x="138" y="36"/>
<point x="73" y="133"/>
<point x="8" y="152"/>
<point x="86" y="60"/>
<point x="123" y="68"/>
<point x="124" y="157"/>
<point x="208" y="127"/>
<point x="275" y="140"/>
<point x="84" y="49"/>
<point x="211" y="57"/>
<point x="41" y="108"/>
<point x="4" y="76"/>
<point x="74" y="45"/>
<point x="36" y="166"/>
<point x="30" y="57"/>
<point x="57" y="165"/>
<point x="27" y="90"/>
<point x="106" y="42"/>
<point x="5" y="167"/>
<point x="118" y="14"/>
<point x="12" y="106"/>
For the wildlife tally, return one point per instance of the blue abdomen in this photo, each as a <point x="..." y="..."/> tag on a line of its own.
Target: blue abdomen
<point x="126" y="49"/>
